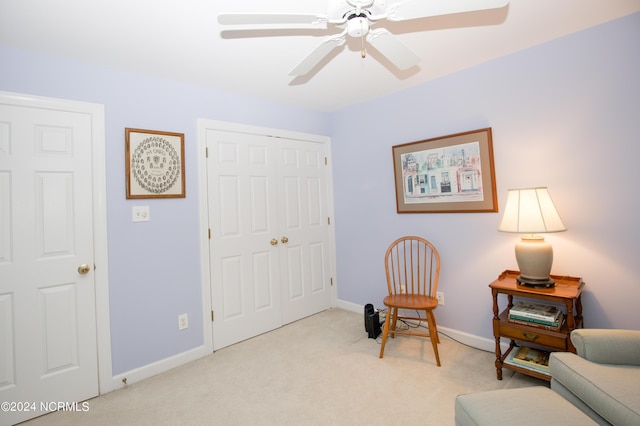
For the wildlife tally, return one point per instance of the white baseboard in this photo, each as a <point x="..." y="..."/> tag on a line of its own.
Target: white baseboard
<point x="348" y="306"/>
<point x="474" y="341"/>
<point x="132" y="376"/>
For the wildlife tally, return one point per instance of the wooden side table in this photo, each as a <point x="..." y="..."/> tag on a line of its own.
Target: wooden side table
<point x="567" y="292"/>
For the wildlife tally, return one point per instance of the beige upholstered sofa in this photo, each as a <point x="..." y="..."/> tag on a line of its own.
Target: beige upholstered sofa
<point x="603" y="378"/>
<point x="600" y="385"/>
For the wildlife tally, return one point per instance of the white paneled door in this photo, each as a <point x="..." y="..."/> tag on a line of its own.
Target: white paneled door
<point x="303" y="225"/>
<point x="269" y="245"/>
<point x="47" y="295"/>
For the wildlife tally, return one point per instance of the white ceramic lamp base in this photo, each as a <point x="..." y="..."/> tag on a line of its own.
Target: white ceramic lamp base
<point x="535" y="257"/>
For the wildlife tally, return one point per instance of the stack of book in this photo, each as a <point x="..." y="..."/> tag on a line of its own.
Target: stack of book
<point x="533" y="359"/>
<point x="536" y="315"/>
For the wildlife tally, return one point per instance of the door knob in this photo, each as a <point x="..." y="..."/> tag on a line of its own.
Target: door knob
<point x="274" y="242"/>
<point x="84" y="269"/>
<point x="284" y="240"/>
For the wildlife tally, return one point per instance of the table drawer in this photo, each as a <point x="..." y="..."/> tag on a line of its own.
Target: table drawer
<point x="533" y="335"/>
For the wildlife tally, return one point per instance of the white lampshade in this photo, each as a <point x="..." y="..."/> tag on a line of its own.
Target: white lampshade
<point x="531" y="211"/>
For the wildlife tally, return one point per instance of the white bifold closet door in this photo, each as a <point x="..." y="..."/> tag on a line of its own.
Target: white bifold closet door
<point x="270" y="246"/>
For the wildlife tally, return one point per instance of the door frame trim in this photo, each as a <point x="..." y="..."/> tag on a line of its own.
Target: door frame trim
<point x="207" y="124"/>
<point x="101" y="272"/>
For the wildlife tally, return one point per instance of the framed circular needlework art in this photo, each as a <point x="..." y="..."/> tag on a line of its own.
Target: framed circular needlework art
<point x="154" y="164"/>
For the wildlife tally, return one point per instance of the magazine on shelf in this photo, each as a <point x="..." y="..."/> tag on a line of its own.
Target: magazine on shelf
<point x="527" y="357"/>
<point x="535" y="311"/>
<point x="545" y="325"/>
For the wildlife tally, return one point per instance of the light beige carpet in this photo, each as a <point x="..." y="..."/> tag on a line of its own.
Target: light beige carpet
<point x="322" y="370"/>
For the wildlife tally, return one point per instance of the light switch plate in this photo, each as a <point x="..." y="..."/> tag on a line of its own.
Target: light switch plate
<point x="140" y="214"/>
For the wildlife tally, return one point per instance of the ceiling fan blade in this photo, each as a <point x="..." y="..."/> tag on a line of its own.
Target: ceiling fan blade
<point x="289" y="19"/>
<point x="392" y="48"/>
<point x="318" y="54"/>
<point x="415" y="9"/>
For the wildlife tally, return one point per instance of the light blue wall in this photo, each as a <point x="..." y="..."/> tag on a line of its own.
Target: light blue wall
<point x="565" y="114"/>
<point x="154" y="267"/>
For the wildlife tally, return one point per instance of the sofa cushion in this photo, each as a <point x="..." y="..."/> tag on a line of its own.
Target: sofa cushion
<point x="533" y="406"/>
<point x="569" y="396"/>
<point x="612" y="391"/>
<point x="608" y="346"/>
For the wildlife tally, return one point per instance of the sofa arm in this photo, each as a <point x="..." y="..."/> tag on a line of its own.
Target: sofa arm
<point x="621" y="347"/>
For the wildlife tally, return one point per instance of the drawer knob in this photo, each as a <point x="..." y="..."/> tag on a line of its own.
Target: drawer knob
<point x="530" y="336"/>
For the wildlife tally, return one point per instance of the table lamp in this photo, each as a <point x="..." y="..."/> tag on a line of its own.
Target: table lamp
<point x="531" y="211"/>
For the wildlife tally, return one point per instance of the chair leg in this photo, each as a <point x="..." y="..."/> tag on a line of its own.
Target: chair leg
<point x="435" y="327"/>
<point x="395" y="321"/>
<point x="385" y="331"/>
<point x="433" y="334"/>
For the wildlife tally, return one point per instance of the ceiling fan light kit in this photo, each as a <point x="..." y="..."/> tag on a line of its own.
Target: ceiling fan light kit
<point x="357" y="26"/>
<point x="355" y="18"/>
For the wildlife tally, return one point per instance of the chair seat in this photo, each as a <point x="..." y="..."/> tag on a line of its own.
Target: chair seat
<point x="410" y="301"/>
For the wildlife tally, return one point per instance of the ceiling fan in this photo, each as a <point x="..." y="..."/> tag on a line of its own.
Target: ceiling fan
<point x="355" y="18"/>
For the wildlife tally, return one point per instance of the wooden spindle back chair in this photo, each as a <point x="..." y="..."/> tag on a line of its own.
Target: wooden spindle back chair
<point x="412" y="266"/>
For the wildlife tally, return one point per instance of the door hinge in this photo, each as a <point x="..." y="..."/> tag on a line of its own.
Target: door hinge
<point x="328" y="220"/>
<point x="209" y="233"/>
<point x="212" y="316"/>
<point x="326" y="161"/>
<point x="331" y="279"/>
<point x="206" y="152"/>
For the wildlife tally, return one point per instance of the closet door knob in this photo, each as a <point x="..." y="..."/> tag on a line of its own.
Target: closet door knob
<point x="284" y="240"/>
<point x="274" y="242"/>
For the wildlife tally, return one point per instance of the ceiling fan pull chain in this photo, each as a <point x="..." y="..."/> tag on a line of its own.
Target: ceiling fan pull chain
<point x="362" y="51"/>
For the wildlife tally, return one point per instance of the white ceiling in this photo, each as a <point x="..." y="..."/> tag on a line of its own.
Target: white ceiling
<point x="182" y="40"/>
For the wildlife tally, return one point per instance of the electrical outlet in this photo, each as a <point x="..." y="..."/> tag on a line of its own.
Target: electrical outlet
<point x="440" y="297"/>
<point x="183" y="321"/>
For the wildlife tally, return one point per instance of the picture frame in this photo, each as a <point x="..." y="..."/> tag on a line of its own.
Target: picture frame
<point x="447" y="174"/>
<point x="154" y="164"/>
